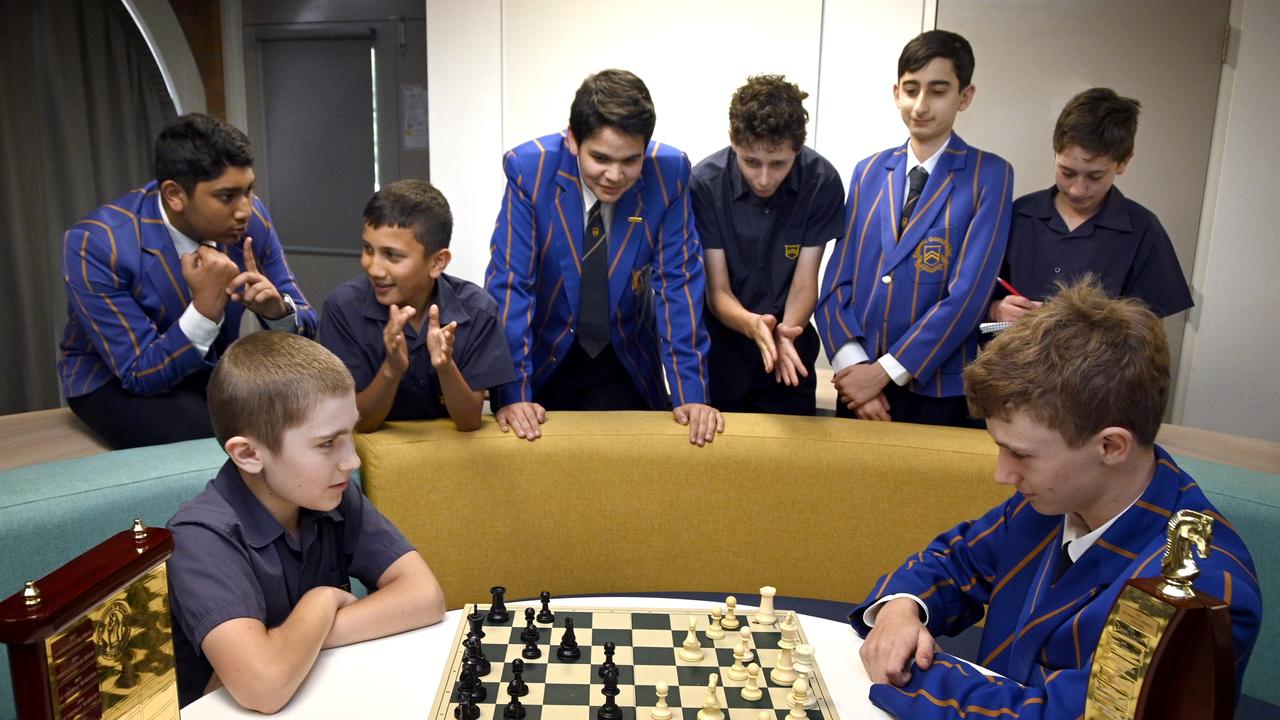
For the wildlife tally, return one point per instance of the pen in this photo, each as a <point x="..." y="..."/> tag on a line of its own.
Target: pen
<point x="1012" y="290"/>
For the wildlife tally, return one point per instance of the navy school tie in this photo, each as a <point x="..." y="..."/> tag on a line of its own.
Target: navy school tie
<point x="915" y="185"/>
<point x="593" y="297"/>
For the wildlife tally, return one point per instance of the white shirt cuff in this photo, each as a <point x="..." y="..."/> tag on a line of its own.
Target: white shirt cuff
<point x="200" y="330"/>
<point x="851" y="354"/>
<point x="869" y="615"/>
<point x="894" y="370"/>
<point x="287" y="322"/>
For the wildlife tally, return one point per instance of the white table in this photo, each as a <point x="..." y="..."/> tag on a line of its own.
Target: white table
<point x="397" y="676"/>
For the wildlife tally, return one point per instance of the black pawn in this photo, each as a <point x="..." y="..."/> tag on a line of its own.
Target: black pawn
<point x="610" y="710"/>
<point x="545" y="615"/>
<point x="498" y="614"/>
<point x="530" y="632"/>
<point x="466" y="709"/>
<point x="517" y="686"/>
<point x="475" y="656"/>
<point x="568" y="650"/>
<point x="608" y="665"/>
<point x="470" y="687"/>
<point x="514" y="710"/>
<point x="476" y="621"/>
<point x="531" y="651"/>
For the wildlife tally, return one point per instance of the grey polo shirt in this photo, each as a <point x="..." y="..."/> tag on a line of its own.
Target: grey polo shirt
<point x="233" y="559"/>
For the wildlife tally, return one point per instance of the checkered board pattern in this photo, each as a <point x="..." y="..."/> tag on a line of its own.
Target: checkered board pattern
<point x="647" y="641"/>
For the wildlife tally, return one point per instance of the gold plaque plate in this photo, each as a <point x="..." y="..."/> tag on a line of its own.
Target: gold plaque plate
<point x="1128" y="641"/>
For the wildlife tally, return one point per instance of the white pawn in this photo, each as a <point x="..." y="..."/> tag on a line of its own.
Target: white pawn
<point x="765" y="715"/>
<point x="662" y="711"/>
<point x="765" y="615"/>
<point x="796" y="700"/>
<point x="804" y="669"/>
<point x="711" y="705"/>
<point x="730" y="621"/>
<point x="752" y="691"/>
<point x="745" y="634"/>
<point x="691" y="649"/>
<point x="738" y="671"/>
<point x="715" y="631"/>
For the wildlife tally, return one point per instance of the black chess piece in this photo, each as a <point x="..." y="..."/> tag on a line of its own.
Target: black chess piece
<point x="466" y="709"/>
<point x="514" y="710"/>
<point x="545" y="615"/>
<point x="476" y="621"/>
<point x="517" y="686"/>
<point x="475" y="656"/>
<point x="498" y="614"/>
<point x="568" y="650"/>
<point x="609" y="710"/>
<point x="531" y="651"/>
<point x="609" y="649"/>
<point x="530" y="632"/>
<point x="469" y="686"/>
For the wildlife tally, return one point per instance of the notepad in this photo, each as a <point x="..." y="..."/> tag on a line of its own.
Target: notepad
<point x="991" y="328"/>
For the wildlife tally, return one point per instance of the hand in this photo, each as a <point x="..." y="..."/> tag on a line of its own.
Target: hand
<point x="857" y="384"/>
<point x="525" y="417"/>
<point x="790" y="368"/>
<point x="397" y="360"/>
<point x="439" y="339"/>
<point x="898" y="638"/>
<point x="1011" y="307"/>
<point x="258" y="294"/>
<point x="761" y="331"/>
<point x="704" y="422"/>
<point x="877" y="408"/>
<point x="208" y="272"/>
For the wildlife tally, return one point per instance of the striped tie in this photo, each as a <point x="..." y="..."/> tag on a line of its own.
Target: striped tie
<point x="915" y="184"/>
<point x="593" y="297"/>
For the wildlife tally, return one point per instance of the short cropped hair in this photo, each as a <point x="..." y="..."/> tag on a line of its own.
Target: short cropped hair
<point x="1100" y="122"/>
<point x="938" y="44"/>
<point x="1079" y="363"/>
<point x="196" y="148"/>
<point x="612" y="97"/>
<point x="416" y="205"/>
<point x="768" y="111"/>
<point x="267" y="382"/>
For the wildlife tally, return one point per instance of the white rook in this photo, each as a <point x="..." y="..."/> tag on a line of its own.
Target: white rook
<point x="765" y="615"/>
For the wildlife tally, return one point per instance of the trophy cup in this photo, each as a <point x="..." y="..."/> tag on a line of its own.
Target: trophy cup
<point x="1166" y="650"/>
<point x="92" y="639"/>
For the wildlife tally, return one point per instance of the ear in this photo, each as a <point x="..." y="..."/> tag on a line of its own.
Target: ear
<point x="966" y="96"/>
<point x="1120" y="166"/>
<point x="573" y="142"/>
<point x="895" y="92"/>
<point x="175" y="198"/>
<point x="244" y="453"/>
<point x="440" y="261"/>
<point x="1115" y="445"/>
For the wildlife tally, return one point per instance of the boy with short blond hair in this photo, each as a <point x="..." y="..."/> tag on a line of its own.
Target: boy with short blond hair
<point x="420" y="344"/>
<point x="1072" y="395"/>
<point x="260" y="574"/>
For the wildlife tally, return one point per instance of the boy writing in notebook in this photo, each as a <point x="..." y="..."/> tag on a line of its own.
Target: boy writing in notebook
<point x="259" y="576"/>
<point x="420" y="344"/>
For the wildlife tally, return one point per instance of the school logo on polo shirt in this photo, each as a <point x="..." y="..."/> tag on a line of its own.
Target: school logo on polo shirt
<point x="933" y="255"/>
<point x="791" y="251"/>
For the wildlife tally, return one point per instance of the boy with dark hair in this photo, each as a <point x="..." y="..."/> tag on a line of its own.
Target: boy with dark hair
<point x="260" y="574"/>
<point x="925" y="228"/>
<point x="157" y="282"/>
<point x="1073" y="395"/>
<point x="419" y="343"/>
<point x="766" y="206"/>
<point x="592" y="220"/>
<point x="1084" y="224"/>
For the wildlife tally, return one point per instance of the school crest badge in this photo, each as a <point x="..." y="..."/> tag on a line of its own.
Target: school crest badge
<point x="933" y="255"/>
<point x="639" y="280"/>
<point x="791" y="251"/>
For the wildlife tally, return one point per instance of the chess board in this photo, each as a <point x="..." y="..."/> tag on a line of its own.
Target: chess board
<point x="647" y="641"/>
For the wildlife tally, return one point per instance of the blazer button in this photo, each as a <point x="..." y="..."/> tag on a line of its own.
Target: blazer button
<point x="886" y="279"/>
<point x="553" y="358"/>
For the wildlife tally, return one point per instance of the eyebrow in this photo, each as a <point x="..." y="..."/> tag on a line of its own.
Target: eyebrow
<point x="605" y="156"/>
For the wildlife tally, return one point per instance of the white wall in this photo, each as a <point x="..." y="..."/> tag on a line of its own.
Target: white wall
<point x="1232" y="382"/>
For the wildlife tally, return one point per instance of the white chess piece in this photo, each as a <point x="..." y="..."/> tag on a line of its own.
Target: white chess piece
<point x="796" y="700"/>
<point x="738" y="671"/>
<point x="711" y="705"/>
<point x="804" y="669"/>
<point x="714" y="630"/>
<point x="765" y="615"/>
<point x="784" y="672"/>
<point x="745" y="634"/>
<point x="661" y="711"/>
<point x="765" y="715"/>
<point x="691" y="650"/>
<point x="730" y="621"/>
<point x="752" y="691"/>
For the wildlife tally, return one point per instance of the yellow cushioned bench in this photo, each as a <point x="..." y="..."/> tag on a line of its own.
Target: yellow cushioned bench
<point x="621" y="502"/>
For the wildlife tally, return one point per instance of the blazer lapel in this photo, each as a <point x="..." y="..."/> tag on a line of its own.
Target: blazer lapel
<point x="1055" y="605"/>
<point x="895" y="172"/>
<point x="933" y="199"/>
<point x="160" y="263"/>
<point x="567" y="226"/>
<point x="628" y="230"/>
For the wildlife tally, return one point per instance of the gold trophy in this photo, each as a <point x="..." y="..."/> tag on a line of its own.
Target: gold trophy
<point x="1166" y="650"/>
<point x="93" y="638"/>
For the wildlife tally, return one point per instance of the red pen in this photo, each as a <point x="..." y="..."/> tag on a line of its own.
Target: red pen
<point x="1012" y="290"/>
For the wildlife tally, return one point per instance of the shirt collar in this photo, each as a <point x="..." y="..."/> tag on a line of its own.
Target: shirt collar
<point x="791" y="183"/>
<point x="444" y="295"/>
<point x="1077" y="538"/>
<point x="181" y="242"/>
<point x="260" y="527"/>
<point x="929" y="163"/>
<point x="1112" y="214"/>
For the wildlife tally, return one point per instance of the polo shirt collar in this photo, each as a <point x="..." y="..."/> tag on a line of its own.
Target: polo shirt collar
<point x="740" y="188"/>
<point x="445" y="296"/>
<point x="259" y="526"/>
<point x="1112" y="214"/>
